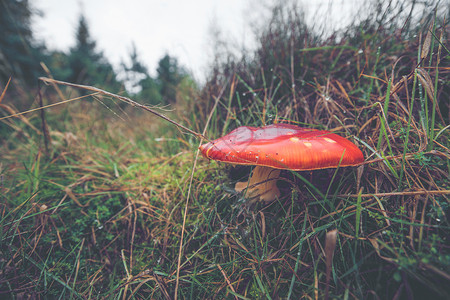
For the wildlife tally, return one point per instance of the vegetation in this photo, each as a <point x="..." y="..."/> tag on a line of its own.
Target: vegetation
<point x="18" y="51"/>
<point x="102" y="200"/>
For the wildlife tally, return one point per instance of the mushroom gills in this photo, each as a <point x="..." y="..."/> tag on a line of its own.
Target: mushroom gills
<point x="261" y="185"/>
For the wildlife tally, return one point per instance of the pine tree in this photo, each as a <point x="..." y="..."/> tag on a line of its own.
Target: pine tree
<point x="138" y="80"/>
<point x="170" y="74"/>
<point x="134" y="72"/>
<point x="19" y="53"/>
<point x="87" y="65"/>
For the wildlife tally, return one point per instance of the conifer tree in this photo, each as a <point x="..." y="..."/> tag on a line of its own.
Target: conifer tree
<point x="170" y="74"/>
<point x="138" y="80"/>
<point x="19" y="53"/>
<point x="89" y="66"/>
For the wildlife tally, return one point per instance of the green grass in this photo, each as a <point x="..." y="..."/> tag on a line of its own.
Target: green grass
<point x="101" y="214"/>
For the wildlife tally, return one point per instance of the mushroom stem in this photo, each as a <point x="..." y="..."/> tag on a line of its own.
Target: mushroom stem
<point x="262" y="183"/>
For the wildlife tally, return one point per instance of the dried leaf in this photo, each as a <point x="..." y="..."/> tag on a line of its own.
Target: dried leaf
<point x="377" y="248"/>
<point x="330" y="246"/>
<point x="263" y="225"/>
<point x="73" y="197"/>
<point x="427" y="42"/>
<point x="426" y="82"/>
<point x="4" y="90"/>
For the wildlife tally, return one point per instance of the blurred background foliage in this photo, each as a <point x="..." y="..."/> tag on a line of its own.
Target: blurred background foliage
<point x="21" y="55"/>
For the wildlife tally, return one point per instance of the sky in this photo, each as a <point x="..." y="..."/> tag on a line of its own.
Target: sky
<point x="181" y="28"/>
<point x="184" y="29"/>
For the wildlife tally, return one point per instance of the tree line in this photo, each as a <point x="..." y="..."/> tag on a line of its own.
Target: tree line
<point x="84" y="63"/>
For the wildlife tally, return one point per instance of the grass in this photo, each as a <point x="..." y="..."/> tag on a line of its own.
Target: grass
<point x="111" y="209"/>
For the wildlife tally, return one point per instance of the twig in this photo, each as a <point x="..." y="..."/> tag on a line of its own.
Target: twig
<point x="14" y="114"/>
<point x="180" y="252"/>
<point x="4" y="90"/>
<point x="228" y="280"/>
<point x="49" y="74"/>
<point x="434" y="152"/>
<point x="126" y="100"/>
<point x="47" y="138"/>
<point x="412" y="193"/>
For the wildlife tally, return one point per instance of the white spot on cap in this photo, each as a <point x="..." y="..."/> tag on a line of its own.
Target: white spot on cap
<point x="307" y="144"/>
<point x="294" y="139"/>
<point x="329" y="140"/>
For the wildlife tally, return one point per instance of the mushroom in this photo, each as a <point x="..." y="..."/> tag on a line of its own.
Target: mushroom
<point x="280" y="146"/>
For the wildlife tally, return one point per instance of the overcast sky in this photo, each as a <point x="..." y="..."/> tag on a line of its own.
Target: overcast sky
<point x="181" y="28"/>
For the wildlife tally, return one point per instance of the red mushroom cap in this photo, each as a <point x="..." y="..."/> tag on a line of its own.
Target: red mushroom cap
<point x="284" y="146"/>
